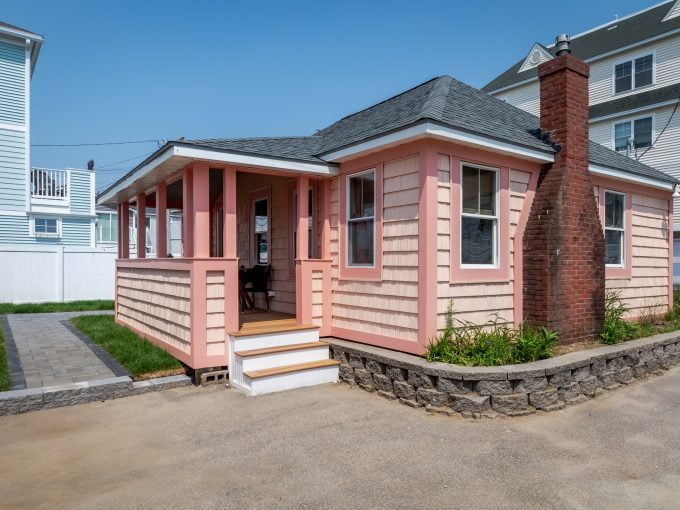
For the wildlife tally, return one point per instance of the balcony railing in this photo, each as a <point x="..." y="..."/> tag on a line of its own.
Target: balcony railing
<point x="49" y="184"/>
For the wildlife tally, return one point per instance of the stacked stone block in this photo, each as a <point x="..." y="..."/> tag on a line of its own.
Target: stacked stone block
<point x="513" y="390"/>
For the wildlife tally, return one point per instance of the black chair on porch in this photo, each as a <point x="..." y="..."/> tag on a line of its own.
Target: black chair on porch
<point x="252" y="281"/>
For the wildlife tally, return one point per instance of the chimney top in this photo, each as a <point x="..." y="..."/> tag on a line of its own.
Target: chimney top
<point x="562" y="43"/>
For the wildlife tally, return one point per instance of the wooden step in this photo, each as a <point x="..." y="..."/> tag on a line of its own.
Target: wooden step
<point x="280" y="348"/>
<point x="256" y="374"/>
<point x="264" y="328"/>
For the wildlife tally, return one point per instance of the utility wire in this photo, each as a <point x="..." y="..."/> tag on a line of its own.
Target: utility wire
<point x="675" y="109"/>
<point x="93" y="144"/>
<point x="124" y="161"/>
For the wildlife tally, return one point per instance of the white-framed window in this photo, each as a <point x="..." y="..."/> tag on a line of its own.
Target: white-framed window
<point x="310" y="218"/>
<point x="614" y="228"/>
<point x="261" y="230"/>
<point x="107" y="227"/>
<point x="46" y="226"/>
<point x="479" y="216"/>
<point x="640" y="131"/>
<point x="361" y="219"/>
<point x="633" y="73"/>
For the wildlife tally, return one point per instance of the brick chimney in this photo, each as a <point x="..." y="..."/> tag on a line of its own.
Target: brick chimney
<point x="563" y="245"/>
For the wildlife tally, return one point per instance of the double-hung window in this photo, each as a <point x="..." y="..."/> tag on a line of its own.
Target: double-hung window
<point x="638" y="130"/>
<point x="479" y="216"/>
<point x="614" y="228"/>
<point x="361" y="219"/>
<point x="634" y="73"/>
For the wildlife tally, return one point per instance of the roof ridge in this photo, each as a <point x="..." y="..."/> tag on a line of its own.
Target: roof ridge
<point x="252" y="138"/>
<point x="436" y="100"/>
<point x="381" y="102"/>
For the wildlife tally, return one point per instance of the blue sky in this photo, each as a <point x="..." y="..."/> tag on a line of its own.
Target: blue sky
<point x="137" y="70"/>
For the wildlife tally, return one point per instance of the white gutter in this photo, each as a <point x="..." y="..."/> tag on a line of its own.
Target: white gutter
<point x="625" y="176"/>
<point x="33" y="41"/>
<point x="433" y="130"/>
<point x="197" y="153"/>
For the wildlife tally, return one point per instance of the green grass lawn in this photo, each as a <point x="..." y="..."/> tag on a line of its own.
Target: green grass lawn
<point x="69" y="306"/>
<point x="4" y="369"/>
<point x="139" y="356"/>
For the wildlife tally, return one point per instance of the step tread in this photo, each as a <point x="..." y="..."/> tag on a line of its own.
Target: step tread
<point x="272" y="328"/>
<point x="265" y="372"/>
<point x="280" y="348"/>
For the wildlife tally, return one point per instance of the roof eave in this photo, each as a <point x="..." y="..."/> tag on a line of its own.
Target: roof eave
<point x="616" y="173"/>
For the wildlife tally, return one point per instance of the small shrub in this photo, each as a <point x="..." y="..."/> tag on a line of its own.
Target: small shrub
<point x="491" y="344"/>
<point x="614" y="328"/>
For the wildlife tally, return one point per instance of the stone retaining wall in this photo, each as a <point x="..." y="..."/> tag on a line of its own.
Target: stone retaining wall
<point x="33" y="399"/>
<point x="512" y="390"/>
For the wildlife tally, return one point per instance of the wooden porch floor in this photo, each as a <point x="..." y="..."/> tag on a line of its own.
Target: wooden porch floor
<point x="260" y="322"/>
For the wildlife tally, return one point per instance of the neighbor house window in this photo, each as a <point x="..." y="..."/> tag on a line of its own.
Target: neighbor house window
<point x="261" y="227"/>
<point x="46" y="227"/>
<point x="634" y="73"/>
<point x="614" y="227"/>
<point x="310" y="209"/>
<point x="107" y="227"/>
<point x="479" y="216"/>
<point x="361" y="219"/>
<point x="639" y="131"/>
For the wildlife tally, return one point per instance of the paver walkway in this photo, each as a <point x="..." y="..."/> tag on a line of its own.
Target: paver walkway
<point x="50" y="354"/>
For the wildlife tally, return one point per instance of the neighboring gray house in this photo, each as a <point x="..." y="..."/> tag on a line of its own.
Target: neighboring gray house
<point x="634" y="87"/>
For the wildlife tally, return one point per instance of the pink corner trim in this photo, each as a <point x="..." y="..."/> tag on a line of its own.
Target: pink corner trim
<point x="670" y="254"/>
<point x="427" y="247"/>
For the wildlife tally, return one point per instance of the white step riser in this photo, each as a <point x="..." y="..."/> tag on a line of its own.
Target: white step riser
<point x="291" y="380"/>
<point x="284" y="358"/>
<point x="262" y="341"/>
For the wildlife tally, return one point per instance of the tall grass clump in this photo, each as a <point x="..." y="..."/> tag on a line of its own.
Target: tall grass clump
<point x="491" y="344"/>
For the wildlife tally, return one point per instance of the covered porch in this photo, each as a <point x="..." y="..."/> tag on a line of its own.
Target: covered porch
<point x="233" y="217"/>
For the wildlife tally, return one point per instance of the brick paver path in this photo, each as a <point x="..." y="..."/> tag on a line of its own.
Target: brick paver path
<point x="50" y="354"/>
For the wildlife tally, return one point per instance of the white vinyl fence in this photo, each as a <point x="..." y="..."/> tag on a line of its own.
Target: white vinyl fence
<point x="32" y="274"/>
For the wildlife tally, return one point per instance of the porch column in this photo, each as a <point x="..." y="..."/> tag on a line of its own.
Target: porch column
<point x="201" y="203"/>
<point x="229" y="204"/>
<point x="326" y="219"/>
<point x="188" y="213"/>
<point x="161" y="220"/>
<point x="119" y="223"/>
<point x="303" y="217"/>
<point x="303" y="290"/>
<point x="231" y="290"/>
<point x="124" y="239"/>
<point x="141" y="226"/>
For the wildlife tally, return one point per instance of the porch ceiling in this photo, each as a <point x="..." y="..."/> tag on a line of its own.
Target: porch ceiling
<point x="173" y="157"/>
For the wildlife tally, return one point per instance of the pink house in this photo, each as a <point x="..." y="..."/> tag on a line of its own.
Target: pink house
<point x="372" y="225"/>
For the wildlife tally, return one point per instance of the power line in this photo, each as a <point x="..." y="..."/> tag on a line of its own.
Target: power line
<point x="93" y="144"/>
<point x="677" y="103"/>
<point x="124" y="161"/>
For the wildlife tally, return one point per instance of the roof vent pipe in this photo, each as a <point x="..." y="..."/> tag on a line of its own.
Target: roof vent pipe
<point x="562" y="42"/>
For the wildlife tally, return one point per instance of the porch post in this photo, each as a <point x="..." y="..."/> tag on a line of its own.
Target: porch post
<point x="201" y="214"/>
<point x="124" y="239"/>
<point x="303" y="290"/>
<point x="229" y="239"/>
<point x="141" y="225"/>
<point x="161" y="220"/>
<point x="229" y="204"/>
<point x="326" y="219"/>
<point x="119" y="223"/>
<point x="188" y="213"/>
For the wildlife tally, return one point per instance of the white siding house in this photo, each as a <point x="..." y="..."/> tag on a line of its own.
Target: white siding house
<point x="634" y="88"/>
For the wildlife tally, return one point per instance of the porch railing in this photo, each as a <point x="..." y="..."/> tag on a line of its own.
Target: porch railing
<point x="49" y="184"/>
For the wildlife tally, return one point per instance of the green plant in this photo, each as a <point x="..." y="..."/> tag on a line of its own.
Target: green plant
<point x="68" y="306"/>
<point x="490" y="344"/>
<point x="615" y="329"/>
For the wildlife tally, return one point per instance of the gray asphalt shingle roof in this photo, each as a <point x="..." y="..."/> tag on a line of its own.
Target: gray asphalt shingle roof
<point x="443" y="100"/>
<point x="640" y="100"/>
<point x="603" y="40"/>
